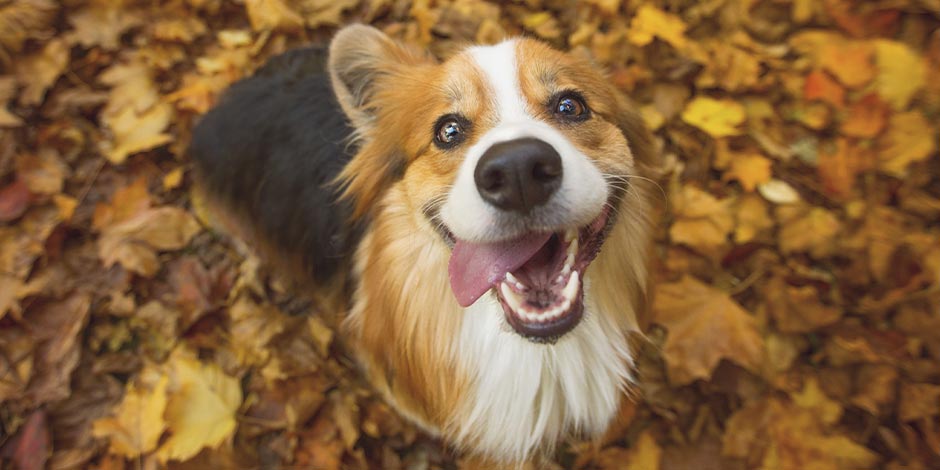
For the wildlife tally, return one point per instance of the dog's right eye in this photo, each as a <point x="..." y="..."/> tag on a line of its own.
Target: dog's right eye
<point x="449" y="131"/>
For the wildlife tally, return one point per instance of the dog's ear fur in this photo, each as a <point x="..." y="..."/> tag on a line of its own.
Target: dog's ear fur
<point x="360" y="58"/>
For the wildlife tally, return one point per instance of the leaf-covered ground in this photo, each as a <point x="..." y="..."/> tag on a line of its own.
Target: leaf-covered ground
<point x="797" y="313"/>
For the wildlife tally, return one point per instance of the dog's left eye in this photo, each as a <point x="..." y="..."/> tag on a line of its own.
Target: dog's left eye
<point x="570" y="106"/>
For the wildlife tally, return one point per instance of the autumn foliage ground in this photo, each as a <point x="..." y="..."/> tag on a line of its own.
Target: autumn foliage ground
<point x="796" y="322"/>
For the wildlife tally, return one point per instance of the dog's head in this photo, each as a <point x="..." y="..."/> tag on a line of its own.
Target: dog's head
<point x="518" y="156"/>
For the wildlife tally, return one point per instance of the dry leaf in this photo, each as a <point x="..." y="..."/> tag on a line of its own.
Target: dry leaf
<point x="811" y="229"/>
<point x="651" y="22"/>
<point x="201" y="408"/>
<point x="901" y="72"/>
<point x="267" y="15"/>
<point x="750" y="170"/>
<point x="718" y="118"/>
<point x="865" y="118"/>
<point x="138" y="422"/>
<point x="40" y="71"/>
<point x="702" y="221"/>
<point x="695" y="314"/>
<point x="909" y="139"/>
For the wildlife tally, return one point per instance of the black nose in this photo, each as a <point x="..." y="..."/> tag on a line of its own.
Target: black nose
<point x="518" y="175"/>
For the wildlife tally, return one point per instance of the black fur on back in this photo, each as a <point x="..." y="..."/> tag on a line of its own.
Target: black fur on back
<point x="270" y="150"/>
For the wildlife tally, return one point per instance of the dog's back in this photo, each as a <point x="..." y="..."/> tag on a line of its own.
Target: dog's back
<point x="268" y="154"/>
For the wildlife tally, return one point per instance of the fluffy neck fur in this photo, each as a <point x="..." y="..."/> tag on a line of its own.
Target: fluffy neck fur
<point x="464" y="373"/>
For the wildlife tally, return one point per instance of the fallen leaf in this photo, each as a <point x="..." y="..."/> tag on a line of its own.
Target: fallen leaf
<point x="851" y="62"/>
<point x="909" y="139"/>
<point x="40" y="71"/>
<point x="645" y="454"/>
<point x="101" y="24"/>
<point x="137" y="423"/>
<point x="201" y="408"/>
<point x="31" y="445"/>
<point x="135" y="113"/>
<point x="42" y="172"/>
<point x="718" y="118"/>
<point x="901" y="72"/>
<point x="751" y="218"/>
<point x="839" y="167"/>
<point x="778" y="192"/>
<point x="134" y="242"/>
<point x="268" y="15"/>
<point x="811" y="229"/>
<point x="702" y="221"/>
<point x="918" y="400"/>
<point x="14" y="199"/>
<point x="694" y="314"/>
<point x="651" y="22"/>
<point x="750" y="170"/>
<point x="798" y="309"/>
<point x="865" y="118"/>
<point x="818" y="86"/>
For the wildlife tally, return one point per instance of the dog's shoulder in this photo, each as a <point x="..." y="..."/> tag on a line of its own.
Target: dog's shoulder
<point x="270" y="151"/>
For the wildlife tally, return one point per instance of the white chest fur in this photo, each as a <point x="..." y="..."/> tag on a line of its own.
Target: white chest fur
<point x="528" y="396"/>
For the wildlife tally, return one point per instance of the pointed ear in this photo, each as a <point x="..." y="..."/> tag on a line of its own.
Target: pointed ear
<point x="361" y="57"/>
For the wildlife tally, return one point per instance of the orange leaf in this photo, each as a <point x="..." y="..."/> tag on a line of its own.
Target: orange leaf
<point x="866" y="118"/>
<point x="820" y="87"/>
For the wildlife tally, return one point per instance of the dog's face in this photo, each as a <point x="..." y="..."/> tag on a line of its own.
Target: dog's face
<point x="516" y="155"/>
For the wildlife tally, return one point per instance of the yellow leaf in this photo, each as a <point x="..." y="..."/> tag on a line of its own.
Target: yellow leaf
<point x="138" y="423"/>
<point x="807" y="229"/>
<point x="849" y="61"/>
<point x="267" y="15"/>
<point x="813" y="399"/>
<point x="651" y="22"/>
<point x="752" y="218"/>
<point x="910" y="138"/>
<point x="645" y="454"/>
<point x="39" y="72"/>
<point x="173" y="179"/>
<point x="695" y="315"/>
<point x="718" y="118"/>
<point x="901" y="72"/>
<point x="201" y="408"/>
<point x="702" y="221"/>
<point x="750" y="170"/>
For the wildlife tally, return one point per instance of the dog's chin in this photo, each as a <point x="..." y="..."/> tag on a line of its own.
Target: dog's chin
<point x="543" y="299"/>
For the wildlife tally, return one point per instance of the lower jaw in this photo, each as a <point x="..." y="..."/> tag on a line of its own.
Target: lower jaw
<point x="546" y="332"/>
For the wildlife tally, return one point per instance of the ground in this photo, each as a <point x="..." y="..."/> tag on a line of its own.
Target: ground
<point x="796" y="321"/>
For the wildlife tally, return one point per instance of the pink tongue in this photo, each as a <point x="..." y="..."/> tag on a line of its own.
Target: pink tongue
<point x="474" y="268"/>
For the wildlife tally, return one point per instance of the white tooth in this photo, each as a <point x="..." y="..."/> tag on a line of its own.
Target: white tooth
<point x="513" y="299"/>
<point x="571" y="289"/>
<point x="515" y="282"/>
<point x="571" y="234"/>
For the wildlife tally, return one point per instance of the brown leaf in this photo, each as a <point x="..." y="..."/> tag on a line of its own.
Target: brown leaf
<point x="14" y="199"/>
<point x="798" y="309"/>
<point x="134" y="242"/>
<point x="702" y="221"/>
<point x="866" y="118"/>
<point x="267" y="15"/>
<point x="918" y="401"/>
<point x="31" y="445"/>
<point x="43" y="173"/>
<point x="807" y="228"/>
<point x="40" y="71"/>
<point x="695" y="314"/>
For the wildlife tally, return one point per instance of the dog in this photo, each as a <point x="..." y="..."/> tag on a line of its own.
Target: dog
<point x="479" y="220"/>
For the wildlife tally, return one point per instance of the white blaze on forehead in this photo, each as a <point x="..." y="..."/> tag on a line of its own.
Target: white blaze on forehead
<point x="499" y="67"/>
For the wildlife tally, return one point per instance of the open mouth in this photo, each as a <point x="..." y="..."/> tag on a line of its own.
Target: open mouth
<point x="538" y="278"/>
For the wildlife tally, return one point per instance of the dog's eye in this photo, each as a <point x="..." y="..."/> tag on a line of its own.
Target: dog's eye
<point x="571" y="106"/>
<point x="449" y="131"/>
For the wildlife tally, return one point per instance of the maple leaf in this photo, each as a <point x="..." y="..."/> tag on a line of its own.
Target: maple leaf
<point x="40" y="71"/>
<point x="909" y="139"/>
<point x="865" y="118"/>
<point x="851" y="62"/>
<point x="134" y="242"/>
<point x="268" y="15"/>
<point x="651" y="22"/>
<point x="750" y="170"/>
<point x="135" y="113"/>
<point x="819" y="86"/>
<point x="718" y="118"/>
<point x="201" y="407"/>
<point x="901" y="72"/>
<point x="101" y="24"/>
<point x="137" y="424"/>
<point x="695" y="314"/>
<point x="812" y="229"/>
<point x="797" y="309"/>
<point x="702" y="221"/>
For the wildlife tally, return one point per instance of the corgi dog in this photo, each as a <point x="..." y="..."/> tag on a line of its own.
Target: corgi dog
<point x="479" y="221"/>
